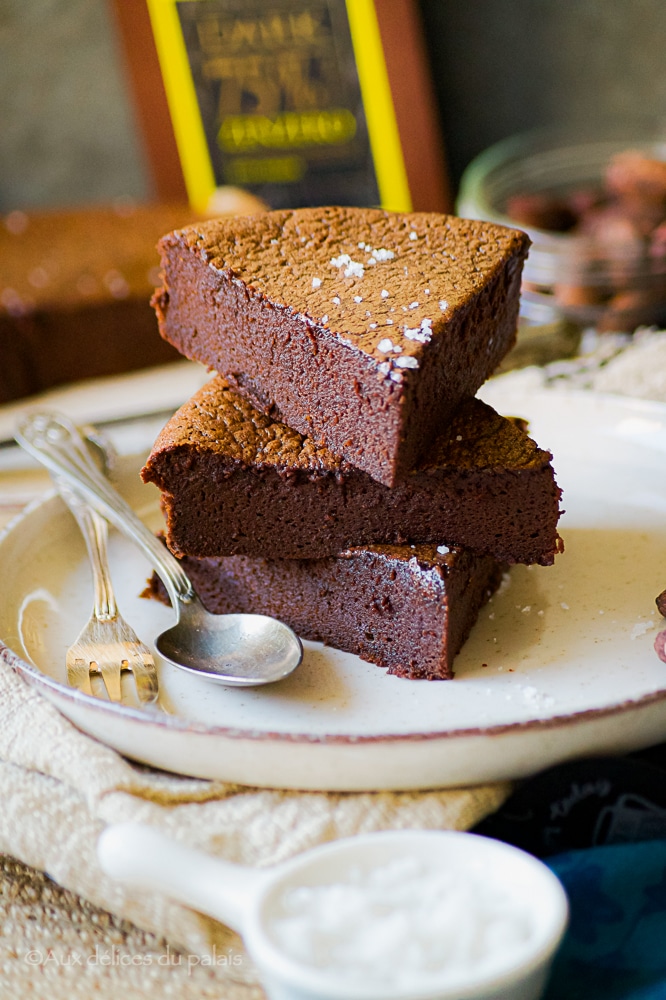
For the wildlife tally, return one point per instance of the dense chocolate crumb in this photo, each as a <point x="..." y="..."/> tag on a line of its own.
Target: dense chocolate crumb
<point x="406" y="608"/>
<point x="236" y="482"/>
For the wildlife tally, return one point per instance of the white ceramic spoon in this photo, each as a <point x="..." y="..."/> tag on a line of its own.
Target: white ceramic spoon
<point x="254" y="902"/>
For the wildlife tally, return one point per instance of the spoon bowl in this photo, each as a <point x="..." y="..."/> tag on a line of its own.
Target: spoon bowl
<point x="216" y="646"/>
<point x="237" y="649"/>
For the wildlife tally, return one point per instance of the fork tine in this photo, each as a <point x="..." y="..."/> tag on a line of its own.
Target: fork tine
<point x="78" y="674"/>
<point x="107" y="643"/>
<point x="145" y="678"/>
<point x="100" y="643"/>
<point x="137" y="658"/>
<point x="110" y="671"/>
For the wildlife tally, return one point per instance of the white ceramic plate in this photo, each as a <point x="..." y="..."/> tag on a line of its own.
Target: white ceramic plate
<point x="560" y="664"/>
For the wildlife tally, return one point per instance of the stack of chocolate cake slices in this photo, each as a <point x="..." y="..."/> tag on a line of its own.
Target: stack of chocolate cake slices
<point x="338" y="471"/>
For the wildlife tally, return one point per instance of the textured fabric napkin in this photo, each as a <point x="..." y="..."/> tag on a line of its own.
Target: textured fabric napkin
<point x="59" y="788"/>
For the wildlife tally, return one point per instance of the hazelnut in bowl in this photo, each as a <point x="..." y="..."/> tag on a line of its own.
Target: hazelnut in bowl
<point x="593" y="201"/>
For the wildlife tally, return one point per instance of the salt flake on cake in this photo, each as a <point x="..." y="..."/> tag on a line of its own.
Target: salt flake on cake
<point x="422" y="333"/>
<point x="352" y="268"/>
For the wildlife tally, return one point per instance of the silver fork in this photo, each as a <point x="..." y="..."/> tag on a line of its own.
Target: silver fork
<point x="107" y="645"/>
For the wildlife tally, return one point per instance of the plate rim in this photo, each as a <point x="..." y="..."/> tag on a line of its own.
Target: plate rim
<point x="176" y="723"/>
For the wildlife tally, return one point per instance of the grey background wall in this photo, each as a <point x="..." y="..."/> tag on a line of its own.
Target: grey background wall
<point x="68" y="134"/>
<point x="502" y="66"/>
<point x="67" y="129"/>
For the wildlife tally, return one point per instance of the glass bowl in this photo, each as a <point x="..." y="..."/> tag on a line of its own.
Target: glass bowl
<point x="606" y="266"/>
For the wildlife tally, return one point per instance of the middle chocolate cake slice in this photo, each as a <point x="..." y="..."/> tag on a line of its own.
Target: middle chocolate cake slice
<point x="235" y="482"/>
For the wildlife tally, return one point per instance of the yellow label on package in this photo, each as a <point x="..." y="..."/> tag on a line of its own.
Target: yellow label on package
<point x="289" y="99"/>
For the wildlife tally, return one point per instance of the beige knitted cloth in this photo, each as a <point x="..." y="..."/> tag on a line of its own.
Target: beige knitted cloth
<point x="59" y="788"/>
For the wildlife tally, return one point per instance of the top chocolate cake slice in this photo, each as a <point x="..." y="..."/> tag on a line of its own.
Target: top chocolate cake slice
<point x="361" y="328"/>
<point x="236" y="482"/>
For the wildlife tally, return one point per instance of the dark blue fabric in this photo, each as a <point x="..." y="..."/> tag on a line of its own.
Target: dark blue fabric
<point x="615" y="947"/>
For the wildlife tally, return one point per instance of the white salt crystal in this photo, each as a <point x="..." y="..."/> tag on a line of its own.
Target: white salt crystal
<point x="406" y="361"/>
<point x="421" y="333"/>
<point x="354" y="270"/>
<point x="382" y="254"/>
<point x="640" y="628"/>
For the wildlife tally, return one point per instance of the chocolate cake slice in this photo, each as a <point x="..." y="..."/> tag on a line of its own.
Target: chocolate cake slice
<point x="409" y="609"/>
<point x="236" y="482"/>
<point x="362" y="328"/>
<point x="75" y="289"/>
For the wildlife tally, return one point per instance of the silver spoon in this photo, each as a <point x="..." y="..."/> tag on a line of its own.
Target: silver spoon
<point x="235" y="649"/>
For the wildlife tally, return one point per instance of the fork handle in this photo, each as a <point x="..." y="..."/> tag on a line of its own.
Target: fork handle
<point x="55" y="442"/>
<point x="95" y="532"/>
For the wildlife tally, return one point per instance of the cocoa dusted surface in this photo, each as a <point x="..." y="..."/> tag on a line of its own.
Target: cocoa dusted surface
<point x="361" y="328"/>
<point x="408" y="609"/>
<point x="236" y="482"/>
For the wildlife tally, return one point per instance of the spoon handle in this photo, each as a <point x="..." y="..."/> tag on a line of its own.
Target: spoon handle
<point x="55" y="442"/>
<point x="145" y="858"/>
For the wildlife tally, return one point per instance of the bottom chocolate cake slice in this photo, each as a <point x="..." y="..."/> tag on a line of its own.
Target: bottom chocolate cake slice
<point x="406" y="608"/>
